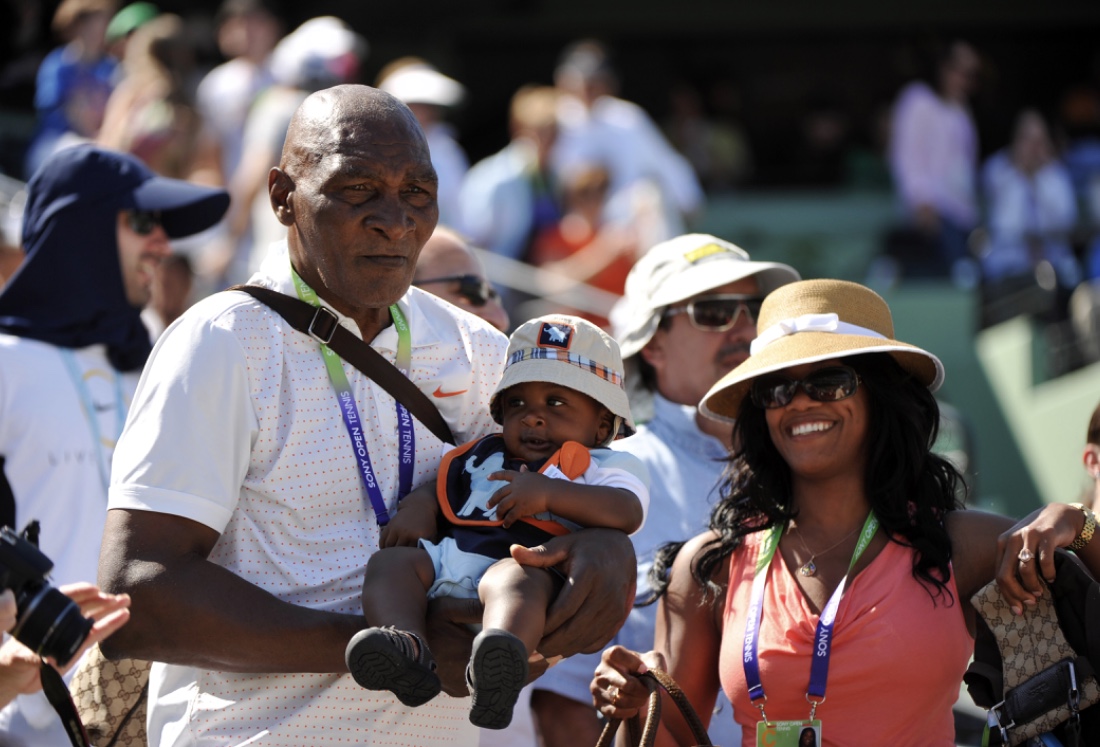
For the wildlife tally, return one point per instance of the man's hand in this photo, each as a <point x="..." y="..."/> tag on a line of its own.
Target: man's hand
<point x="526" y="494"/>
<point x="450" y="640"/>
<point x="601" y="574"/>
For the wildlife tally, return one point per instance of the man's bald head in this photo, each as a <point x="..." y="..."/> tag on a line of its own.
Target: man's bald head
<point x="449" y="268"/>
<point x="357" y="192"/>
<point x="336" y="115"/>
<point x="445" y="248"/>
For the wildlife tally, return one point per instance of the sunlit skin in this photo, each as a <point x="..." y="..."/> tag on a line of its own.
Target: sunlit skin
<point x="688" y="361"/>
<point x="819" y="439"/>
<point x="1091" y="459"/>
<point x="139" y="256"/>
<point x="538" y="417"/>
<point x="357" y="192"/>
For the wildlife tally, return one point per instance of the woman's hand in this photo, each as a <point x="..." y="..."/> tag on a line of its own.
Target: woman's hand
<point x="1026" y="551"/>
<point x="19" y="666"/>
<point x="617" y="691"/>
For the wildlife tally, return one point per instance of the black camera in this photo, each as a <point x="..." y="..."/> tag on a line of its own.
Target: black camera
<point x="48" y="622"/>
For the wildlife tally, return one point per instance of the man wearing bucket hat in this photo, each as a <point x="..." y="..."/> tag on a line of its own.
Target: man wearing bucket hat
<point x="560" y="402"/>
<point x="839" y="535"/>
<point x="72" y="346"/>
<point x="687" y="319"/>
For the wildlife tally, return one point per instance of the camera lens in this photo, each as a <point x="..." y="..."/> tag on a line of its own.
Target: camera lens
<point x="50" y="624"/>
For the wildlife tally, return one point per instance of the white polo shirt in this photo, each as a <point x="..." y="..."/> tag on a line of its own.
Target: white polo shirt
<point x="236" y="426"/>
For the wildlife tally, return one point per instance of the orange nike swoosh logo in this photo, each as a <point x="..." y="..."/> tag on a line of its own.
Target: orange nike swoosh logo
<point x="440" y="393"/>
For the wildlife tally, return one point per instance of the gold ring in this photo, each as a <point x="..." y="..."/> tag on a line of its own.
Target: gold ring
<point x="613" y="694"/>
<point x="1024" y="556"/>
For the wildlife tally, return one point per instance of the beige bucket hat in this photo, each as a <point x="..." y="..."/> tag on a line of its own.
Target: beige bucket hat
<point x="571" y="352"/>
<point x="815" y="320"/>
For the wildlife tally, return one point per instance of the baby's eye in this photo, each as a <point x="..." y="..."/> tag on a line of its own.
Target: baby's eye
<point x="555" y="401"/>
<point x="514" y="402"/>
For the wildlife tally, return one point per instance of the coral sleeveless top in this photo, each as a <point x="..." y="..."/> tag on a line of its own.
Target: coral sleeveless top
<point x="897" y="659"/>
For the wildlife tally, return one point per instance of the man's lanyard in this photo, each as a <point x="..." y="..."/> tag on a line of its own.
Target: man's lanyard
<point x="91" y="411"/>
<point x="823" y="639"/>
<point x="406" y="442"/>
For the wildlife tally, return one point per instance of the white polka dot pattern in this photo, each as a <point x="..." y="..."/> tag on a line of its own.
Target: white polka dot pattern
<point x="301" y="526"/>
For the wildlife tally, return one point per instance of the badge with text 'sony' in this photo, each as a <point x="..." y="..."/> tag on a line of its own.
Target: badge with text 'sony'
<point x="555" y="335"/>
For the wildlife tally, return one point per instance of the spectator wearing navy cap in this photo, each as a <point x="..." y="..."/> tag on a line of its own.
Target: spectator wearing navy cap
<point x="96" y="225"/>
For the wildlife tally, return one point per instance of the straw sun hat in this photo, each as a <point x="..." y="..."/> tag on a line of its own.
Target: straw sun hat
<point x="815" y="320"/>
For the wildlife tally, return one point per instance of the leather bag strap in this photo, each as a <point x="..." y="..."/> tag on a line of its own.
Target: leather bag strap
<point x="57" y="693"/>
<point x="322" y="325"/>
<point x="656" y="680"/>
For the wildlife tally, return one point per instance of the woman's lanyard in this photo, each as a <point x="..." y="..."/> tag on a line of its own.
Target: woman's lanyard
<point x="91" y="411"/>
<point x="406" y="445"/>
<point x="823" y="639"/>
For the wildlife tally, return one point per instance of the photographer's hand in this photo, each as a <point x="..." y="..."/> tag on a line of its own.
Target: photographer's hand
<point x="19" y="666"/>
<point x="7" y="610"/>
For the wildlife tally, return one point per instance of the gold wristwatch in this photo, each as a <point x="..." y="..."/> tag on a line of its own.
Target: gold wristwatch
<point x="1086" y="531"/>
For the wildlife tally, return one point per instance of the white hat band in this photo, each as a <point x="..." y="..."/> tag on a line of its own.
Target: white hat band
<point x="809" y="323"/>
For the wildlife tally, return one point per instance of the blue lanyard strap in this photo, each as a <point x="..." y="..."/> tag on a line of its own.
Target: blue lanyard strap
<point x="823" y="638"/>
<point x="90" y="411"/>
<point x="350" y="412"/>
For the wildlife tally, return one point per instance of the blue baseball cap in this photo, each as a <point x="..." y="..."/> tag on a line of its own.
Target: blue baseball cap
<point x="91" y="176"/>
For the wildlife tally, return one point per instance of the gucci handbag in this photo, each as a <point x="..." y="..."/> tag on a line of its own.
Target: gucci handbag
<point x="110" y="698"/>
<point x="1036" y="673"/>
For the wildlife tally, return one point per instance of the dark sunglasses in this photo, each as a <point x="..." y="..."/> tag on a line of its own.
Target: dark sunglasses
<point x="477" y="291"/>
<point x="720" y="312"/>
<point x="143" y="222"/>
<point x="824" y="385"/>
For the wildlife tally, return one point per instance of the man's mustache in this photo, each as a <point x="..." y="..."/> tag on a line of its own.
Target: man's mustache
<point x="734" y="348"/>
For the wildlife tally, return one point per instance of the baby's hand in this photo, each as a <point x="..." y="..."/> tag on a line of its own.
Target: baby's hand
<point x="526" y="494"/>
<point x="412" y="523"/>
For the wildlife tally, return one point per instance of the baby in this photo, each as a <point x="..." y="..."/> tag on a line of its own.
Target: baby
<point x="560" y="402"/>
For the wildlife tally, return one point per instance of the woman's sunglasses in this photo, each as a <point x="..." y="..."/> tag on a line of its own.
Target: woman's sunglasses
<point x="143" y="222"/>
<point x="719" y="313"/>
<point x="823" y="385"/>
<point x="477" y="291"/>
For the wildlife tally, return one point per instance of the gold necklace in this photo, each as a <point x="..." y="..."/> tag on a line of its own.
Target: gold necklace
<point x="808" y="568"/>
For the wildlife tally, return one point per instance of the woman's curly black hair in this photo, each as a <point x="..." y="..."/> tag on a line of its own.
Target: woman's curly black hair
<point x="910" y="488"/>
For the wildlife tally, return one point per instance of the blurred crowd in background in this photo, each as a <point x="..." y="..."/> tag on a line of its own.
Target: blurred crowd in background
<point x="586" y="181"/>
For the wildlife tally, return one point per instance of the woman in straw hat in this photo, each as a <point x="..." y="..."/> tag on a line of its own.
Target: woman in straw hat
<point x="832" y="588"/>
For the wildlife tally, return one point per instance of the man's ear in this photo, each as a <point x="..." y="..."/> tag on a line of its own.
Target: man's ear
<point x="280" y="189"/>
<point x="654" y="351"/>
<point x="1091" y="460"/>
